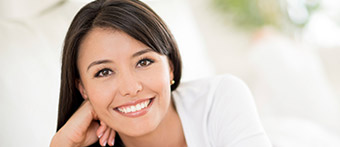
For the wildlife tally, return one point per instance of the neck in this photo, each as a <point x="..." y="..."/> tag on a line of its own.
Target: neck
<point x="168" y="133"/>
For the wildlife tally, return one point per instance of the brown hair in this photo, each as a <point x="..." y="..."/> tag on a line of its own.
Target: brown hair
<point x="130" y="16"/>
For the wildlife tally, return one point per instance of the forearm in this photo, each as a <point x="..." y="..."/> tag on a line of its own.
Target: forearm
<point x="60" y="140"/>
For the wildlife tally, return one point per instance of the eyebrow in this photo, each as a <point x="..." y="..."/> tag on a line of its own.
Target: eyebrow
<point x="98" y="62"/>
<point x="109" y="61"/>
<point x="141" y="52"/>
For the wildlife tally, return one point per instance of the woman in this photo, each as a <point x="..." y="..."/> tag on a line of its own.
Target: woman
<point x="120" y="70"/>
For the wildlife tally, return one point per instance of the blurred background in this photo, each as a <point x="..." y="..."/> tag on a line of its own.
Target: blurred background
<point x="287" y="51"/>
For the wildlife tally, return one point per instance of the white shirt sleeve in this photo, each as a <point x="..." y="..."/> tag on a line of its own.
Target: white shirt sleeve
<point x="232" y="119"/>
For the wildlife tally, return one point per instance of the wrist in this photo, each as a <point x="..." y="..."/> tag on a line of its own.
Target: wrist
<point x="59" y="140"/>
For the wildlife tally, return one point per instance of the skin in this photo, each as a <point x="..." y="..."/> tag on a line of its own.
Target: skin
<point x="115" y="69"/>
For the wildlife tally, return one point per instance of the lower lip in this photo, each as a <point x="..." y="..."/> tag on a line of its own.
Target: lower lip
<point x="137" y="113"/>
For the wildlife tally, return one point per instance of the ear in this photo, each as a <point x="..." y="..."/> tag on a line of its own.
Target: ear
<point x="171" y="70"/>
<point x="81" y="89"/>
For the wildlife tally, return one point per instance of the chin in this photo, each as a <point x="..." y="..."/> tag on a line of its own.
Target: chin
<point x="138" y="129"/>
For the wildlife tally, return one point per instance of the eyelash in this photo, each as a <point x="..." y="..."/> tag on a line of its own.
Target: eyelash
<point x="100" y="72"/>
<point x="149" y="62"/>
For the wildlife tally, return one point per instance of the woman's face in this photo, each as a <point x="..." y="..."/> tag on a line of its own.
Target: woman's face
<point x="127" y="83"/>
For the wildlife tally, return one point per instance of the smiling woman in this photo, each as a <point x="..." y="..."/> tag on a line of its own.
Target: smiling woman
<point x="120" y="77"/>
<point x="133" y="77"/>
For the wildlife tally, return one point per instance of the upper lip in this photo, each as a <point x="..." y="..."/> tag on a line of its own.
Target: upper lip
<point x="135" y="102"/>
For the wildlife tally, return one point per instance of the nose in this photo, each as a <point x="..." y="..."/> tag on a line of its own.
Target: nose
<point x="129" y="85"/>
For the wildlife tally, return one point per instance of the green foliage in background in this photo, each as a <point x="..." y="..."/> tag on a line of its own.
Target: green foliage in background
<point x="256" y="13"/>
<point x="244" y="12"/>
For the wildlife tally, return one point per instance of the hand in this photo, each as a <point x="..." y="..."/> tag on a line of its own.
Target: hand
<point x="82" y="129"/>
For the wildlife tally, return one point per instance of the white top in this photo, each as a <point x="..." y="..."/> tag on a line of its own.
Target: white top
<point x="219" y="112"/>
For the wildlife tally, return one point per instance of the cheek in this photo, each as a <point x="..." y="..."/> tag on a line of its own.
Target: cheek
<point x="157" y="77"/>
<point x="101" y="94"/>
<point x="158" y="81"/>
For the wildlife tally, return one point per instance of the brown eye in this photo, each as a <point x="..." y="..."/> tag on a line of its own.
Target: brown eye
<point x="144" y="62"/>
<point x="103" y="73"/>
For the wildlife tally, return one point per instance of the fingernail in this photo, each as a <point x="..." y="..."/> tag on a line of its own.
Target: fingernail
<point x="113" y="142"/>
<point x="100" y="135"/>
<point x="105" y="143"/>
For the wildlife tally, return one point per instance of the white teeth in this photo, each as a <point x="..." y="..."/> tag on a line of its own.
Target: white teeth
<point x="138" y="107"/>
<point x="134" y="108"/>
<point x="122" y="110"/>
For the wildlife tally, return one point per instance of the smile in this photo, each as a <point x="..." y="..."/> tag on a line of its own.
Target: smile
<point x="135" y="109"/>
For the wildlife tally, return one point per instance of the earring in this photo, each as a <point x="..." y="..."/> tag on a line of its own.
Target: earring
<point x="172" y="82"/>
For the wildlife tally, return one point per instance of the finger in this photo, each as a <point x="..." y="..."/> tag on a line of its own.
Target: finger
<point x="91" y="136"/>
<point x="103" y="123"/>
<point x="95" y="116"/>
<point x="104" y="138"/>
<point x="101" y="130"/>
<point x="111" y="140"/>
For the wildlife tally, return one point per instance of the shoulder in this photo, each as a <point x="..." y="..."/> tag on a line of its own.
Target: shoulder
<point x="224" y="95"/>
<point x="232" y="90"/>
<point x="232" y="116"/>
<point x="224" y="110"/>
<point x="211" y="88"/>
<point x="211" y="83"/>
<point x="231" y="86"/>
<point x="202" y="103"/>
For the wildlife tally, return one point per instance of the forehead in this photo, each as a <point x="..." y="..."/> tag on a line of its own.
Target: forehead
<point x="102" y="42"/>
<point x="104" y="38"/>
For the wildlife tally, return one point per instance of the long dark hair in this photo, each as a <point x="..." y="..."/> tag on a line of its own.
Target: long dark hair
<point x="130" y="16"/>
